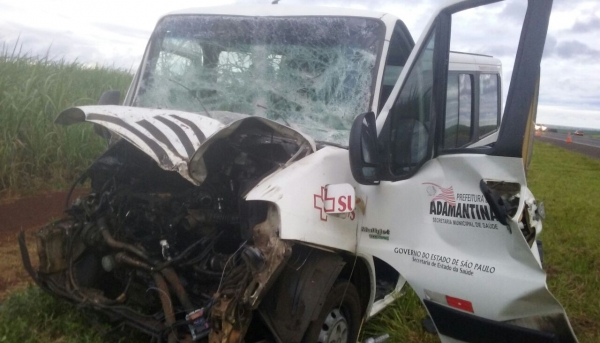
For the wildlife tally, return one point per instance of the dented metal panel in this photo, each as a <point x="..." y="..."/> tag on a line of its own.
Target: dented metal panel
<point x="170" y="137"/>
<point x="197" y="167"/>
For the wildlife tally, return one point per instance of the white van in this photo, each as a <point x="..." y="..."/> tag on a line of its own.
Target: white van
<point x="245" y="198"/>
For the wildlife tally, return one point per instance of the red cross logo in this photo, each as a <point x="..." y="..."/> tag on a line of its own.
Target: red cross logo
<point x="323" y="203"/>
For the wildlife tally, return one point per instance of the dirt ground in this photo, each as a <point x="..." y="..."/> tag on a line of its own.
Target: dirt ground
<point x="27" y="214"/>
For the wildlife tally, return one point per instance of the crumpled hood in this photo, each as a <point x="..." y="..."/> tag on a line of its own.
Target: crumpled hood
<point x="169" y="137"/>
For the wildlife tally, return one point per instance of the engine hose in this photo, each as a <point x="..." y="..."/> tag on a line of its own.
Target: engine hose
<point x="80" y="179"/>
<point x="235" y="276"/>
<point x="224" y="218"/>
<point x="179" y="257"/>
<point x="217" y="218"/>
<point x="167" y="305"/>
<point x="207" y="273"/>
<point x="205" y="253"/>
<point x="122" y="258"/>
<point x="113" y="243"/>
<point x="178" y="289"/>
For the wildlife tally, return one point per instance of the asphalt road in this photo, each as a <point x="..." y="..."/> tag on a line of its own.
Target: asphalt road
<point x="582" y="145"/>
<point x="576" y="139"/>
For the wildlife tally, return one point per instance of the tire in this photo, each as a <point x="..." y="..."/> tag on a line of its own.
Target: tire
<point x="329" y="327"/>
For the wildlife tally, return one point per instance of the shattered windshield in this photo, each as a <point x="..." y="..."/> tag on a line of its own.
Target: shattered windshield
<point x="314" y="74"/>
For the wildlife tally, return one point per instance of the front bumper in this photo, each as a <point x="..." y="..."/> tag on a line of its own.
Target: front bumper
<point x="114" y="313"/>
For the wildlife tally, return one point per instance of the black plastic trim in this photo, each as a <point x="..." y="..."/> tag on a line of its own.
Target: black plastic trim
<point x="355" y="149"/>
<point x="400" y="29"/>
<point x="384" y="138"/>
<point x="470" y="328"/>
<point x="441" y="64"/>
<point x="525" y="76"/>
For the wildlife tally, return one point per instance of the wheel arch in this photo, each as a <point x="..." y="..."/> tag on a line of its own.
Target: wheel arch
<point x="297" y="296"/>
<point x="360" y="271"/>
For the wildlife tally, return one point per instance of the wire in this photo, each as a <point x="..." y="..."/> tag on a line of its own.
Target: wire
<point x="276" y="113"/>
<point x="226" y="263"/>
<point x="161" y="291"/>
<point x="195" y="96"/>
<point x="353" y="265"/>
<point x="306" y="259"/>
<point x="80" y="179"/>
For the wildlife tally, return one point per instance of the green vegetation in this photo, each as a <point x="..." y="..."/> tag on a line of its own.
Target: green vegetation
<point x="32" y="316"/>
<point x="569" y="184"/>
<point x="35" y="153"/>
<point x="402" y="321"/>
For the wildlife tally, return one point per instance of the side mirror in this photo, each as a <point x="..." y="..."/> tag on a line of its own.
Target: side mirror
<point x="110" y="98"/>
<point x="364" y="154"/>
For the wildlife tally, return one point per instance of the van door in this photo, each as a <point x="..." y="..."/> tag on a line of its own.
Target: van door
<point x="461" y="222"/>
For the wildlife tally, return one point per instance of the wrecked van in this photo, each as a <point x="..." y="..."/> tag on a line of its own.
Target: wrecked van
<point x="244" y="198"/>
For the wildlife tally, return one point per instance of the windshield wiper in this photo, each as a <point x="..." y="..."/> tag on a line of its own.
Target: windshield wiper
<point x="332" y="144"/>
<point x="276" y="113"/>
<point x="193" y="93"/>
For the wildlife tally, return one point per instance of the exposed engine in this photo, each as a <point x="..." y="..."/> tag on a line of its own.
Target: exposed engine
<point x="179" y="261"/>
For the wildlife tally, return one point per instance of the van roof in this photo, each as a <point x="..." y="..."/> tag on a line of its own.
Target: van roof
<point x="461" y="61"/>
<point x="469" y="58"/>
<point x="280" y="11"/>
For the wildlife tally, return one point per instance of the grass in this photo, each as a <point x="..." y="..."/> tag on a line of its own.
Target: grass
<point x="13" y="276"/>
<point x="401" y="320"/>
<point x="48" y="319"/>
<point x="35" y="153"/>
<point x="567" y="183"/>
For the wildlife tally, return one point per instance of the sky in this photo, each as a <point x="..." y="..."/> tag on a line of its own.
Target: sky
<point x="115" y="33"/>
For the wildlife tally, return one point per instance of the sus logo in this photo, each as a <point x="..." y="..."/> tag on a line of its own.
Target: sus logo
<point x="333" y="203"/>
<point x="320" y="202"/>
<point x="440" y="193"/>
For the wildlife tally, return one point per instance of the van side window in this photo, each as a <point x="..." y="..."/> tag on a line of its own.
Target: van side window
<point x="458" y="130"/>
<point x="398" y="52"/>
<point x="489" y="109"/>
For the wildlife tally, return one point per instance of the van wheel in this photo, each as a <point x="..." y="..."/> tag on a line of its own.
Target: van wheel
<point x="340" y="317"/>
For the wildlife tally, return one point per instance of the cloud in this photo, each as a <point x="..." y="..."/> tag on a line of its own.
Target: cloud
<point x="515" y="10"/>
<point x="124" y="30"/>
<point x="571" y="49"/>
<point x="549" y="46"/>
<point x="568" y="116"/>
<point x="584" y="26"/>
<point x="575" y="49"/>
<point x="115" y="50"/>
<point x="500" y="50"/>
